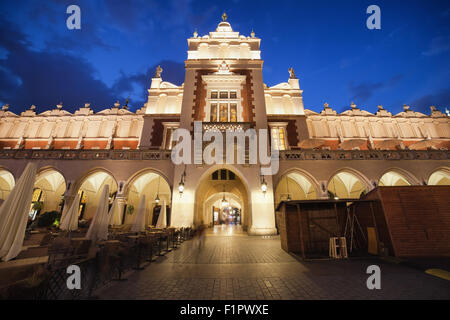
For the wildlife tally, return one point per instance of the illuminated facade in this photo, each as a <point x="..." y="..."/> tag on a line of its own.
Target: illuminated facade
<point x="322" y="155"/>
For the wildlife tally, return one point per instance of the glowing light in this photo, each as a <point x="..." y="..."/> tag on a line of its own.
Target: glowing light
<point x="181" y="187"/>
<point x="264" y="186"/>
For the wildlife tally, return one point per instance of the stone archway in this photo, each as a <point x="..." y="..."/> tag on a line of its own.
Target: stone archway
<point x="7" y="183"/>
<point x="297" y="185"/>
<point x="156" y="189"/>
<point x="53" y="186"/>
<point x="347" y="184"/>
<point x="90" y="188"/>
<point x="214" y="184"/>
<point x="440" y="177"/>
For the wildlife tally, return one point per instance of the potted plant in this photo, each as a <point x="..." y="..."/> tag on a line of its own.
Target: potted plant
<point x="37" y="206"/>
<point x="130" y="209"/>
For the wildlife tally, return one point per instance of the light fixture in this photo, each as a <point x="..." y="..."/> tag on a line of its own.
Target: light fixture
<point x="224" y="201"/>
<point x="181" y="184"/>
<point x="157" y="194"/>
<point x="181" y="187"/>
<point x="263" y="181"/>
<point x="287" y="185"/>
<point x="336" y="198"/>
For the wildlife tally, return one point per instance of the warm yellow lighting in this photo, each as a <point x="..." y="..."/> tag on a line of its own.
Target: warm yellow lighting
<point x="181" y="187"/>
<point x="264" y="186"/>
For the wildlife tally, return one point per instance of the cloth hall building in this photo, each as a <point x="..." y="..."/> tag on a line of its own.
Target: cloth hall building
<point x="322" y="155"/>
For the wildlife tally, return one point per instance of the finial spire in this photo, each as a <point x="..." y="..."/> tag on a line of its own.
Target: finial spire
<point x="224" y="17"/>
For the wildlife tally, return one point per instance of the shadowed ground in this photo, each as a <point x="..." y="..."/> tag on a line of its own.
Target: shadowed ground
<point x="232" y="265"/>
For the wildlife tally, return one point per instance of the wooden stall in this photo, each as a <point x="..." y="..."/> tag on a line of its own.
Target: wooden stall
<point x="306" y="226"/>
<point x="413" y="221"/>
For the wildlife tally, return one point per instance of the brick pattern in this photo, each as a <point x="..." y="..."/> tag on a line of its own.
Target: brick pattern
<point x="158" y="131"/>
<point x="417" y="219"/>
<point x="249" y="268"/>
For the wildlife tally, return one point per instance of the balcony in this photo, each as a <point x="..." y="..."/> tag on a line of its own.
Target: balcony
<point x="224" y="126"/>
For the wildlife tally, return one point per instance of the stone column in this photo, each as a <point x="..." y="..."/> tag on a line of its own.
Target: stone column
<point x="121" y="202"/>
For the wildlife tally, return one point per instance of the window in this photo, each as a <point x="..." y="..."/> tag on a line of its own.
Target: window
<point x="224" y="106"/>
<point x="223" y="112"/>
<point x="169" y="129"/>
<point x="278" y="133"/>
<point x="213" y="114"/>
<point x="223" y="174"/>
<point x="233" y="112"/>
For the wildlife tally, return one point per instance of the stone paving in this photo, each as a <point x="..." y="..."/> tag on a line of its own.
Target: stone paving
<point x="232" y="265"/>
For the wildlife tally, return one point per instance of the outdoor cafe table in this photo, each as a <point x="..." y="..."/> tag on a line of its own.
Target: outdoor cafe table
<point x="138" y="260"/>
<point x="159" y="234"/>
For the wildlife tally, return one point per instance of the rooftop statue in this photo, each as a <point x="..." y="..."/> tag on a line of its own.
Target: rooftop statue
<point x="224" y="17"/>
<point x="292" y="73"/>
<point x="158" y="72"/>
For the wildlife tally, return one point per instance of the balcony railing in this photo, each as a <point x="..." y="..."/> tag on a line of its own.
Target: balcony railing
<point x="288" y="155"/>
<point x="224" y="126"/>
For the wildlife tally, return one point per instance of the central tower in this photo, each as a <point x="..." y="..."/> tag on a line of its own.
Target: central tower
<point x="224" y="88"/>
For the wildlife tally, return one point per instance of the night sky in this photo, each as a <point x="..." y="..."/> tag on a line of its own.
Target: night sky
<point x="336" y="58"/>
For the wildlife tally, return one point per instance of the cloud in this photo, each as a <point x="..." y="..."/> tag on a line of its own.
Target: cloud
<point x="363" y="91"/>
<point x="440" y="99"/>
<point x="438" y="45"/>
<point x="135" y="85"/>
<point x="45" y="78"/>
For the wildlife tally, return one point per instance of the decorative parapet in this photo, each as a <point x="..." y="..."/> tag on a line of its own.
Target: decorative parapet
<point x="287" y="155"/>
<point x="364" y="155"/>
<point x="85" y="154"/>
<point x="226" y="126"/>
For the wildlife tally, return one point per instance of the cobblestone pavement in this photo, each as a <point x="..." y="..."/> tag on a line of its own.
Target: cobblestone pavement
<point x="240" y="267"/>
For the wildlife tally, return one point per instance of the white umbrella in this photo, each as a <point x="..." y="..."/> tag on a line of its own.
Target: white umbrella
<point x="162" y="219"/>
<point x="114" y="214"/>
<point x="69" y="221"/>
<point x="14" y="214"/>
<point x="98" y="230"/>
<point x="139" y="219"/>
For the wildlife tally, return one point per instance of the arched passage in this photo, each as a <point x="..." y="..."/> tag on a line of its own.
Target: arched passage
<point x="346" y="185"/>
<point x="216" y="184"/>
<point x="49" y="188"/>
<point x="295" y="185"/>
<point x="90" y="190"/>
<point x="217" y="212"/>
<point x="440" y="177"/>
<point x="7" y="183"/>
<point x="393" y="178"/>
<point x="156" y="190"/>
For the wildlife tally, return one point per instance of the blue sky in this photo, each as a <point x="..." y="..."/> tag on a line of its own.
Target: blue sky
<point x="336" y="58"/>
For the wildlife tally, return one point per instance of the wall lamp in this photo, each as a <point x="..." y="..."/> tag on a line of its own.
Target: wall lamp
<point x="263" y="184"/>
<point x="182" y="180"/>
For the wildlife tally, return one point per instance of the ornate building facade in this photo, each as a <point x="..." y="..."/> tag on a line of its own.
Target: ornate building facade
<point x="322" y="155"/>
